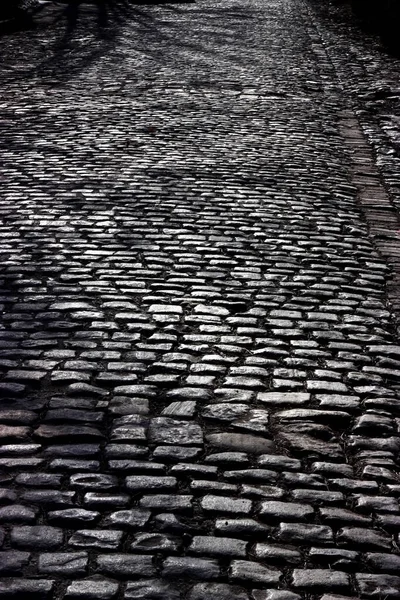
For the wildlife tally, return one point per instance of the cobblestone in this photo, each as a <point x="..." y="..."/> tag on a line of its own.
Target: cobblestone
<point x="126" y="565"/>
<point x="68" y="564"/>
<point x="320" y="579"/>
<point x="92" y="589"/>
<point x="199" y="353"/>
<point x="154" y="589"/>
<point x="23" y="588"/>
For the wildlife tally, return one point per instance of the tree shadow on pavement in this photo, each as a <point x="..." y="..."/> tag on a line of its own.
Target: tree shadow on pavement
<point x="72" y="34"/>
<point x="96" y="37"/>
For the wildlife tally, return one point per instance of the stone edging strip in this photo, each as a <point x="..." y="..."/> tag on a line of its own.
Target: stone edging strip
<point x="377" y="207"/>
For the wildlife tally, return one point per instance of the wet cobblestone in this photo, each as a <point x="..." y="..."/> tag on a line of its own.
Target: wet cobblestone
<point x="199" y="352"/>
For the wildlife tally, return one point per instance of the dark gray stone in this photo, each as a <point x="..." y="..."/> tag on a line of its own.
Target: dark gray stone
<point x="66" y="433"/>
<point x="93" y="481"/>
<point x="17" y="513"/>
<point x="217" y="591"/>
<point x="213" y="546"/>
<point x="320" y="579"/>
<point x="36" y="537"/>
<point x="151" y="589"/>
<point x="274" y="510"/>
<point x="73" y="516"/>
<point x="49" y="499"/>
<point x="154" y="542"/>
<point x="148" y="483"/>
<point x="334" y="557"/>
<point x="305" y="533"/>
<point x="129" y="519"/>
<point x="164" y="430"/>
<point x="45" y="480"/>
<point x="240" y="442"/>
<point x="363" y="538"/>
<point x="373" y="585"/>
<point x="167" y="502"/>
<point x="39" y="589"/>
<point x="96" y="539"/>
<point x="253" y="573"/>
<point x="68" y="564"/>
<point x="274" y="595"/>
<point x="93" y="588"/>
<point x="12" y="562"/>
<point x="278" y="555"/>
<point x="222" y="504"/>
<point x="241" y="527"/>
<point x="126" y="565"/>
<point x="389" y="563"/>
<point x="342" y="516"/>
<point x="195" y="568"/>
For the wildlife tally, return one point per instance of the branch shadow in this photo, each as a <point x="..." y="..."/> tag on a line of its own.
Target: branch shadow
<point x="72" y="36"/>
<point x="80" y="31"/>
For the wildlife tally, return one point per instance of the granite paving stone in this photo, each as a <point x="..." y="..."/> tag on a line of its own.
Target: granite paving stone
<point x="224" y="547"/>
<point x="17" y="513"/>
<point x="126" y="565"/>
<point x="13" y="562"/>
<point x="26" y="588"/>
<point x="151" y="589"/>
<point x="274" y="510"/>
<point x="195" y="568"/>
<point x="219" y="591"/>
<point x="38" y="537"/>
<point x="345" y="560"/>
<point x="274" y="595"/>
<point x="222" y="504"/>
<point x="129" y="519"/>
<point x="274" y="554"/>
<point x="364" y="538"/>
<point x="320" y="579"/>
<point x="246" y="571"/>
<point x="242" y="527"/>
<point x="372" y="585"/>
<point x="96" y="538"/>
<point x="305" y="533"/>
<point x="93" y="588"/>
<point x="155" y="542"/>
<point x="63" y="563"/>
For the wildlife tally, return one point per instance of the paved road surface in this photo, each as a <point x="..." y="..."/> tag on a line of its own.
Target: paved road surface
<point x="199" y="360"/>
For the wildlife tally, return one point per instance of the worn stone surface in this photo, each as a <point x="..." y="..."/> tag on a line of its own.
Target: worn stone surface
<point x="320" y="579"/>
<point x="220" y="591"/>
<point x="41" y="537"/>
<point x="246" y="571"/>
<point x="93" y="588"/>
<point x="25" y="588"/>
<point x="374" y="585"/>
<point x="13" y="562"/>
<point x="64" y="563"/>
<point x="199" y="364"/>
<point x="126" y="566"/>
<point x="151" y="589"/>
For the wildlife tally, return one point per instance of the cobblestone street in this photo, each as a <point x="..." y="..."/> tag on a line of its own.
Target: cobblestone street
<point x="200" y="286"/>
